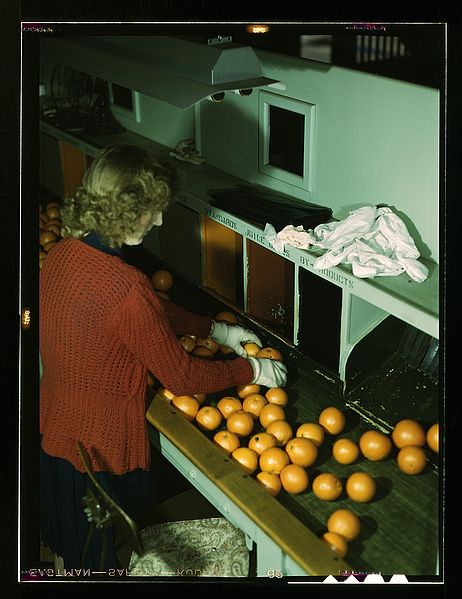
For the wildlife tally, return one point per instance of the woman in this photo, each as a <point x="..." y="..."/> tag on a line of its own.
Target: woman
<point x="102" y="329"/>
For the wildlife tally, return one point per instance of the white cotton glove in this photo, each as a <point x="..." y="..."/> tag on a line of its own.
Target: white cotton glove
<point x="269" y="373"/>
<point x="232" y="336"/>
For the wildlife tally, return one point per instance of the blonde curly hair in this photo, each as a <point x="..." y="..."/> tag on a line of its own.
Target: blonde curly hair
<point x="122" y="183"/>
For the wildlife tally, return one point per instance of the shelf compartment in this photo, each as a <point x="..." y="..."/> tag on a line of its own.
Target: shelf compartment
<point x="270" y="289"/>
<point x="320" y="308"/>
<point x="223" y="261"/>
<point x="73" y="167"/>
<point x="179" y="241"/>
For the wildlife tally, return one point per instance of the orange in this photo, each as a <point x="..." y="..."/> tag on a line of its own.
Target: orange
<point x="187" y="343"/>
<point x="187" y="405"/>
<point x="336" y="542"/>
<point x="277" y="395"/>
<point x="332" y="420"/>
<point x="227" y="441"/>
<point x="228" y="404"/>
<point x="254" y="403"/>
<point x="327" y="486"/>
<point x="200" y="351"/>
<point x="226" y="316"/>
<point x="433" y="437"/>
<point x="345" y="451"/>
<point x="360" y="487"/>
<point x="247" y="458"/>
<point x="244" y="390"/>
<point x="311" y="431"/>
<point x="240" y="422"/>
<point x="345" y="523"/>
<point x="282" y="430"/>
<point x="53" y="211"/>
<point x="46" y="237"/>
<point x="273" y="460"/>
<point x="375" y="445"/>
<point x="208" y="418"/>
<point x="252" y="349"/>
<point x="56" y="229"/>
<point x="53" y="221"/>
<point x="270" y="482"/>
<point x="166" y="393"/>
<point x="302" y="451"/>
<point x="408" y="432"/>
<point x="262" y="441"/>
<point x="270" y="352"/>
<point x="271" y="412"/>
<point x="209" y="343"/>
<point x="411" y="460"/>
<point x="294" y="479"/>
<point x="162" y="280"/>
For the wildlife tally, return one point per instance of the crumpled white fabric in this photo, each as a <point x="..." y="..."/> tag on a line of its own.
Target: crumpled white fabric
<point x="375" y="241"/>
<point x="290" y="235"/>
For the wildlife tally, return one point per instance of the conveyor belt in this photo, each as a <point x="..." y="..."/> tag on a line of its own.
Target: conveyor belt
<point x="399" y="531"/>
<point x="400" y="527"/>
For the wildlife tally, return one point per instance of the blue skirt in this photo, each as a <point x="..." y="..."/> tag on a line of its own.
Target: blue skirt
<point x="64" y="526"/>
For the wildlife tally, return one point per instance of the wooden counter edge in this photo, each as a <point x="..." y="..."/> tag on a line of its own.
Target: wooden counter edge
<point x="292" y="536"/>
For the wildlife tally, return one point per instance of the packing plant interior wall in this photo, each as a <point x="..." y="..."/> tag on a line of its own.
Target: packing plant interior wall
<point x="371" y="140"/>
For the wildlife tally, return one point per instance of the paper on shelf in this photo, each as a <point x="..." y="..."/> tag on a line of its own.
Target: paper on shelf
<point x="295" y="236"/>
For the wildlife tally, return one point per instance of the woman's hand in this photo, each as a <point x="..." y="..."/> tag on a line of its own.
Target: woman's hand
<point x="233" y="336"/>
<point x="268" y="373"/>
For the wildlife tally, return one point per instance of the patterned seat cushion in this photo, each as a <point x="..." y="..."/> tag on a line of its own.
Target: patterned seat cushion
<point x="205" y="547"/>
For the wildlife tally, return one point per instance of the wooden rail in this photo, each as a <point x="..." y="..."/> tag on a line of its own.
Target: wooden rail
<point x="268" y="514"/>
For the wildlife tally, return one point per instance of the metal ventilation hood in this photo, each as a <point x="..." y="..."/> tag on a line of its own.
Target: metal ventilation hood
<point x="179" y="71"/>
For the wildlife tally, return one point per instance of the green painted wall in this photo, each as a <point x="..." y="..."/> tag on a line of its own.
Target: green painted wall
<point x="161" y="122"/>
<point x="376" y="141"/>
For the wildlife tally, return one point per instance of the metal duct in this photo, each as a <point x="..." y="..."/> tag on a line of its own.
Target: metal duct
<point x="174" y="70"/>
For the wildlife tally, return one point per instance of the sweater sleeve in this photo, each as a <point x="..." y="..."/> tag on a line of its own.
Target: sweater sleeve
<point x="184" y="322"/>
<point x="145" y="330"/>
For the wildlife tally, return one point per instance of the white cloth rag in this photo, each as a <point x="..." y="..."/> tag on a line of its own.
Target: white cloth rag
<point x="375" y="241"/>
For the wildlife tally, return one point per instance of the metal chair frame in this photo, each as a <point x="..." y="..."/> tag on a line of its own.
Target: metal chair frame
<point x="102" y="512"/>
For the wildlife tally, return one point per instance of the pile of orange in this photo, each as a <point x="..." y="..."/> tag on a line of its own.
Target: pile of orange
<point x="410" y="438"/>
<point x="49" y="229"/>
<point x="251" y="427"/>
<point x="199" y="347"/>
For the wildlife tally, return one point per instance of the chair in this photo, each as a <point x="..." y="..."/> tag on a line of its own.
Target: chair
<point x="174" y="546"/>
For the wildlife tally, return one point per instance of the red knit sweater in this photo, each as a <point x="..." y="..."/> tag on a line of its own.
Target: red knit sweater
<point x="101" y="329"/>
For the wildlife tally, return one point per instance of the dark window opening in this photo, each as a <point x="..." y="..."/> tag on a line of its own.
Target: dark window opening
<point x="286" y="140"/>
<point x="122" y="96"/>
